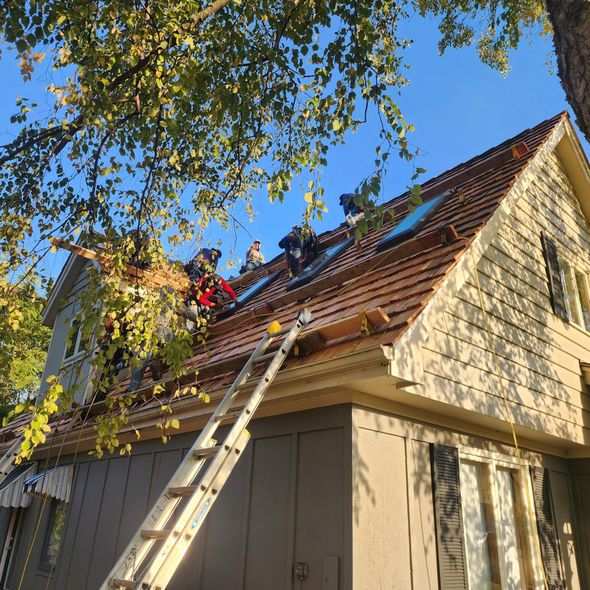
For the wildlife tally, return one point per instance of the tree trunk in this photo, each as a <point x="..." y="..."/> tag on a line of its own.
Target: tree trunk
<point x="571" y="37"/>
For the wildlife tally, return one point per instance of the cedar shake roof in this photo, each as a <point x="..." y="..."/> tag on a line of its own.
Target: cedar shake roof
<point x="399" y="280"/>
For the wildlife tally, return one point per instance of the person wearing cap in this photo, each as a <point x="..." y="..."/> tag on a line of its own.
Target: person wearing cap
<point x="352" y="210"/>
<point x="254" y="257"/>
<point x="205" y="282"/>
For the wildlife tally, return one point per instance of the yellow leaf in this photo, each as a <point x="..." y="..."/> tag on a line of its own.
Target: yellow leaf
<point x="308" y="197"/>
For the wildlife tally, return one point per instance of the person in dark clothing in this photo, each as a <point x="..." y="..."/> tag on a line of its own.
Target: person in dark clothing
<point x="352" y="211"/>
<point x="292" y="246"/>
<point x="301" y="247"/>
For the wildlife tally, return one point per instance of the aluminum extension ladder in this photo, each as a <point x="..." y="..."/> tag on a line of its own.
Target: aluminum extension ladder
<point x="7" y="461"/>
<point x="157" y="548"/>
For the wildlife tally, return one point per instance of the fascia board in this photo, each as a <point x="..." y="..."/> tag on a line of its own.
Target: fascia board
<point x="577" y="167"/>
<point x="58" y="292"/>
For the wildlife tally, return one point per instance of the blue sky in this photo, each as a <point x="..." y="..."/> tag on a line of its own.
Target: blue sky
<point x="459" y="107"/>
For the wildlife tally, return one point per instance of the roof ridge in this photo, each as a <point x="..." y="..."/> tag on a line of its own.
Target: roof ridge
<point x="551" y="122"/>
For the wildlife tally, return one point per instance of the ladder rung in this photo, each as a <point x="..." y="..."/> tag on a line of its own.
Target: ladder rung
<point x="282" y="331"/>
<point x="205" y="452"/>
<point x="183" y="490"/>
<point x="264" y="358"/>
<point x="154" y="534"/>
<point x="124" y="584"/>
<point x="231" y="414"/>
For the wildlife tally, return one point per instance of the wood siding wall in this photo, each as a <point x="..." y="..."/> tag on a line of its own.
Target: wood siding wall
<point x="539" y="353"/>
<point x="394" y="539"/>
<point x="287" y="501"/>
<point x="346" y="490"/>
<point x="77" y="370"/>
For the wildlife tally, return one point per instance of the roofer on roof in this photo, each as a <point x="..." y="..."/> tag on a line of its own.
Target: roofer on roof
<point x="196" y="307"/>
<point x="301" y="247"/>
<point x="352" y="210"/>
<point x="254" y="257"/>
<point x="204" y="280"/>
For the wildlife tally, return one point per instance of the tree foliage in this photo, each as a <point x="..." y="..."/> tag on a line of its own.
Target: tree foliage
<point x="23" y="346"/>
<point x="164" y="114"/>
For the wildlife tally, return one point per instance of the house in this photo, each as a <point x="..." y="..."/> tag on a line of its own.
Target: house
<point x="435" y="436"/>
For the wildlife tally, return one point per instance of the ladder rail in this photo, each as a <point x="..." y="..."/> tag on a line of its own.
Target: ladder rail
<point x="160" y="571"/>
<point x="165" y="506"/>
<point x="138" y="547"/>
<point x="158" y="576"/>
<point x="7" y="461"/>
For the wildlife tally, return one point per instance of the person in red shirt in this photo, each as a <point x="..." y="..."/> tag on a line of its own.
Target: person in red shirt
<point x="205" y="282"/>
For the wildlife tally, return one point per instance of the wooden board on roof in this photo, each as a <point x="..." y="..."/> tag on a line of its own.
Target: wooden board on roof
<point x="164" y="276"/>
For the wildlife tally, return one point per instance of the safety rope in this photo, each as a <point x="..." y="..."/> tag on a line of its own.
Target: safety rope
<point x="46" y="467"/>
<point x="509" y="416"/>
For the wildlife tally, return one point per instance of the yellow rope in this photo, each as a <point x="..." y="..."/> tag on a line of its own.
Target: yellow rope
<point x="522" y="464"/>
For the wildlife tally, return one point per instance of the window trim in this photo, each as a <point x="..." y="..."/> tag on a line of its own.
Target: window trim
<point x="571" y="269"/>
<point x="495" y="460"/>
<point x="11" y="545"/>
<point x="261" y="284"/>
<point x="319" y="264"/>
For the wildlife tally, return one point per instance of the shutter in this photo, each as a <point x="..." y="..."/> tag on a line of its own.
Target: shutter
<point x="546" y="528"/>
<point x="556" y="287"/>
<point x="450" y="545"/>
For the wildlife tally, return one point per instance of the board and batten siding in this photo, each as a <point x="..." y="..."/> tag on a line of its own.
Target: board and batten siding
<point x="286" y="501"/>
<point x="539" y="353"/>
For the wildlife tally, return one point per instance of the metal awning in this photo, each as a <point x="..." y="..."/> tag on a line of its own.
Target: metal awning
<point x="11" y="488"/>
<point x="53" y="483"/>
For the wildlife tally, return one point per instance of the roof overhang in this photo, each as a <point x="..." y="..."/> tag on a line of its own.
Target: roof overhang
<point x="64" y="284"/>
<point x="570" y="151"/>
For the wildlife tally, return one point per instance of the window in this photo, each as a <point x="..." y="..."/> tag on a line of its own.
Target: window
<point x="412" y="222"/>
<point x="498" y="538"/>
<point x="75" y="341"/>
<point x="54" y="533"/>
<point x="319" y="263"/>
<point x="257" y="287"/>
<point x="568" y="285"/>
<point x="575" y="283"/>
<point x="584" y="297"/>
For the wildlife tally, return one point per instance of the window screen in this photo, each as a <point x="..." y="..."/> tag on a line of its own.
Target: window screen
<point x="411" y="223"/>
<point x="320" y="262"/>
